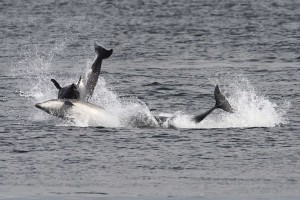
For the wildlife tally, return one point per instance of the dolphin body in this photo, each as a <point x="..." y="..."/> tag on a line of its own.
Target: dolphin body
<point x="221" y="103"/>
<point x="82" y="112"/>
<point x="83" y="90"/>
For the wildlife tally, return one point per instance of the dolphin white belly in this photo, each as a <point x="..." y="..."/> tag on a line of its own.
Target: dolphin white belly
<point x="81" y="113"/>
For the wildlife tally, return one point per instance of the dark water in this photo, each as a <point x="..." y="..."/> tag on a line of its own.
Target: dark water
<point x="168" y="55"/>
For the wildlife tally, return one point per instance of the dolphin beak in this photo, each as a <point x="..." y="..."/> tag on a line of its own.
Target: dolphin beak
<point x="38" y="105"/>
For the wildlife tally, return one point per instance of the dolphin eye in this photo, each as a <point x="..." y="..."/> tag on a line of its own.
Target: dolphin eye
<point x="73" y="86"/>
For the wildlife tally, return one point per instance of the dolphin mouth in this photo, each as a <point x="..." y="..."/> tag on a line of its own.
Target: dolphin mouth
<point x="38" y="105"/>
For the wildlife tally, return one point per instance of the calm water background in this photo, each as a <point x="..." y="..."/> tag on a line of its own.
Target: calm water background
<point x="168" y="55"/>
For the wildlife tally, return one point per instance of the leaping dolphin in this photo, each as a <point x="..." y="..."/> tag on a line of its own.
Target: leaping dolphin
<point x="75" y="91"/>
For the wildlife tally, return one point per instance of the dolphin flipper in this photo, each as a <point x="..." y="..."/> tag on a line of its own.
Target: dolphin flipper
<point x="79" y="81"/>
<point x="56" y="84"/>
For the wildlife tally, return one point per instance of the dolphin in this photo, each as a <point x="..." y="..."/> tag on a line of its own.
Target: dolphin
<point x="79" y="111"/>
<point x="69" y="91"/>
<point x="83" y="90"/>
<point x="221" y="103"/>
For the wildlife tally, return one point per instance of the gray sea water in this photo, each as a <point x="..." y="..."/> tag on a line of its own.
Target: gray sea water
<point x="168" y="56"/>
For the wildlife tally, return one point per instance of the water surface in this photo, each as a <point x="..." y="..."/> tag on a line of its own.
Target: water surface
<point x="167" y="56"/>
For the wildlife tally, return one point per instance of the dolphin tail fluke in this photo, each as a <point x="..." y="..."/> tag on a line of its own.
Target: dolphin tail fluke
<point x="221" y="101"/>
<point x="104" y="53"/>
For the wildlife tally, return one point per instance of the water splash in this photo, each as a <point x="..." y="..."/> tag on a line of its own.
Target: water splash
<point x="35" y="69"/>
<point x="33" y="73"/>
<point x="251" y="109"/>
<point x="131" y="111"/>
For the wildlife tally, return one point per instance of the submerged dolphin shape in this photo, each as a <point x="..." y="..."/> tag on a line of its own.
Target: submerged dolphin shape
<point x="79" y="111"/>
<point x="221" y="103"/>
<point x="73" y="91"/>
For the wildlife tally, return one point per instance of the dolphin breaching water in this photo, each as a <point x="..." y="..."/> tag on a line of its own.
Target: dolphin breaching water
<point x="84" y="89"/>
<point x="72" y="103"/>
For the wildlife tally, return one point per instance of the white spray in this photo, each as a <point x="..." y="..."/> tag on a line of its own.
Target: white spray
<point x="251" y="108"/>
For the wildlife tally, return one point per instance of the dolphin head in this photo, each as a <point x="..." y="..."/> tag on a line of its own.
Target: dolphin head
<point x="53" y="107"/>
<point x="68" y="92"/>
